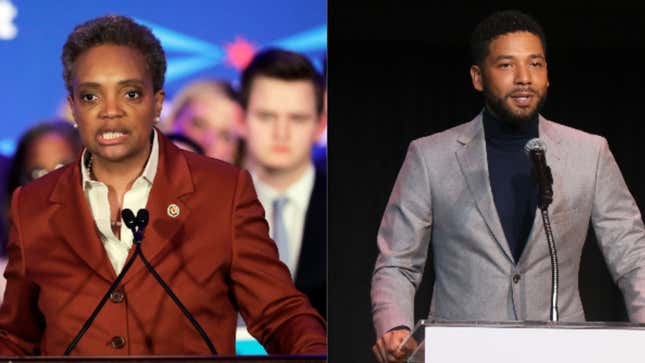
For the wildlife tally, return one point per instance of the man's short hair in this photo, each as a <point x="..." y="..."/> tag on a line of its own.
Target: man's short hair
<point x="283" y="65"/>
<point x="500" y="23"/>
<point x="117" y="30"/>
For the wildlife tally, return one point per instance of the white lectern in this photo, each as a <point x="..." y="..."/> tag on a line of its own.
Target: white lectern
<point x="528" y="342"/>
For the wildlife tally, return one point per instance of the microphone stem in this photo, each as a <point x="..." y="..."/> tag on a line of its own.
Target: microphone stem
<point x="137" y="227"/>
<point x="98" y="308"/>
<point x="174" y="298"/>
<point x="555" y="273"/>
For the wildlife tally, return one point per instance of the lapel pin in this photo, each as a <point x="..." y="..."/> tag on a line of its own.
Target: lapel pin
<point x="173" y="210"/>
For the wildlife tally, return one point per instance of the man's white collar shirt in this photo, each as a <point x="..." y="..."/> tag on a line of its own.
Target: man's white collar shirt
<point x="134" y="199"/>
<point x="294" y="212"/>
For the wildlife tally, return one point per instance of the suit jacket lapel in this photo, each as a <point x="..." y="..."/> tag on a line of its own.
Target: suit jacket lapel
<point x="172" y="184"/>
<point x="474" y="166"/>
<point x="554" y="152"/>
<point x="74" y="223"/>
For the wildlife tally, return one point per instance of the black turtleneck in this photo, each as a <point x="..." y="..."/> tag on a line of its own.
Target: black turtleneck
<point x="513" y="186"/>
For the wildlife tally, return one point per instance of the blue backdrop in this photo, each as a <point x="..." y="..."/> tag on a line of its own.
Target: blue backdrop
<point x="201" y="38"/>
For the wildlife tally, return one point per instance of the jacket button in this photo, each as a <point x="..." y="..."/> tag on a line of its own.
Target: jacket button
<point x="117" y="296"/>
<point x="117" y="342"/>
<point x="516" y="278"/>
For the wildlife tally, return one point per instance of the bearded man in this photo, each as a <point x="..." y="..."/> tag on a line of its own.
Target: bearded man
<point x="469" y="193"/>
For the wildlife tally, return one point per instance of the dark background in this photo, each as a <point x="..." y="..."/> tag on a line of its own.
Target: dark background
<point x="398" y="72"/>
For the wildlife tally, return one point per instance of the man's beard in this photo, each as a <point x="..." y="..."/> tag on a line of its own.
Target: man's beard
<point x="501" y="110"/>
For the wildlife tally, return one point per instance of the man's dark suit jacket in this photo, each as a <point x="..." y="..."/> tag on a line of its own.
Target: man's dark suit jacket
<point x="311" y="276"/>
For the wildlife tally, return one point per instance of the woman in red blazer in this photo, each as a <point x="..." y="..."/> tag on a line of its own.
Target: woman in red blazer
<point x="207" y="236"/>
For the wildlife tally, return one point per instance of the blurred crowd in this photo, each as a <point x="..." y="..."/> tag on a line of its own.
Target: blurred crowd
<point x="273" y="125"/>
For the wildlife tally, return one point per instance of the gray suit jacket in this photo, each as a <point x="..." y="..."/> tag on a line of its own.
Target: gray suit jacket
<point x="442" y="197"/>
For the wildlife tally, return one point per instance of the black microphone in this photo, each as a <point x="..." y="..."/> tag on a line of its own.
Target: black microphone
<point x="536" y="150"/>
<point x="129" y="219"/>
<point x="142" y="218"/>
<point x="137" y="225"/>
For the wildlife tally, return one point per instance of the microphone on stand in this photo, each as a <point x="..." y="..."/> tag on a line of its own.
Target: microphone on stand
<point x="536" y="151"/>
<point x="137" y="225"/>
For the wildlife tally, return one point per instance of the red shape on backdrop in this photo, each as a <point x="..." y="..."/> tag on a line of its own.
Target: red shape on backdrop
<point x="239" y="53"/>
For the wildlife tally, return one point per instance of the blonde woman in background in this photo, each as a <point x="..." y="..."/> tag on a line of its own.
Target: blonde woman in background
<point x="208" y="112"/>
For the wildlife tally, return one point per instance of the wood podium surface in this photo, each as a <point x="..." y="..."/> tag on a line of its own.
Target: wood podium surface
<point x="176" y="359"/>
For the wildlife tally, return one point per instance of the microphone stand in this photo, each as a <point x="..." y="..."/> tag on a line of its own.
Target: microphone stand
<point x="555" y="273"/>
<point x="545" y="198"/>
<point x="174" y="298"/>
<point x="137" y="225"/>
<point x="98" y="308"/>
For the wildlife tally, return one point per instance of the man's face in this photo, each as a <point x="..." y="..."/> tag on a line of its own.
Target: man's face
<point x="211" y="121"/>
<point x="281" y="123"/>
<point x="513" y="77"/>
<point x="113" y="103"/>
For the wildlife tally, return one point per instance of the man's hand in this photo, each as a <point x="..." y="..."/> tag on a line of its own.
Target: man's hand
<point x="387" y="349"/>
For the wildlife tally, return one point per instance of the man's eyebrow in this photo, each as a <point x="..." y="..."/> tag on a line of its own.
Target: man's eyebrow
<point x="299" y="114"/>
<point x="508" y="57"/>
<point x="503" y="57"/>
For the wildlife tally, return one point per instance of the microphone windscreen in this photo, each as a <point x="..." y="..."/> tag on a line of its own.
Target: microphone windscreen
<point x="535" y="144"/>
<point x="142" y="218"/>
<point x="128" y="218"/>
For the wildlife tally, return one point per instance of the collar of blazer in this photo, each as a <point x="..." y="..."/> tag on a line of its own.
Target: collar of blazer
<point x="74" y="224"/>
<point x="475" y="129"/>
<point x="472" y="161"/>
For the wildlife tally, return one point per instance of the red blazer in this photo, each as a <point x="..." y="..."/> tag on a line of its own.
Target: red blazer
<point x="216" y="255"/>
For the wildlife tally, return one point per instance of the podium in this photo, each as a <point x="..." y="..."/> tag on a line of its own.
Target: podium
<point x="526" y="341"/>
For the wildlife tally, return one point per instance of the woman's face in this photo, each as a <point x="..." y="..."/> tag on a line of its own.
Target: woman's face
<point x="48" y="152"/>
<point x="114" y="104"/>
<point x="211" y="122"/>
